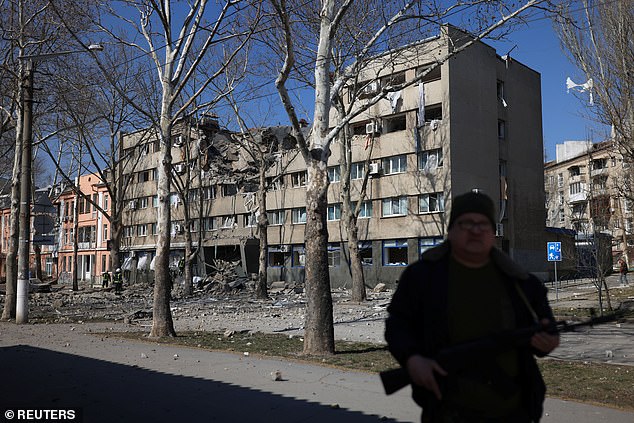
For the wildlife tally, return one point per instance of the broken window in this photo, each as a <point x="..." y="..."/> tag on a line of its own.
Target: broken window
<point x="334" y="255"/>
<point x="365" y="252"/>
<point x="433" y="75"/>
<point x="274" y="183"/>
<point x="210" y="224"/>
<point x="229" y="189"/>
<point x="426" y="243"/>
<point x="278" y="256"/>
<point x="394" y="79"/>
<point x="298" y="256"/>
<point x="395" y="253"/>
<point x="250" y="220"/>
<point x="395" y="123"/>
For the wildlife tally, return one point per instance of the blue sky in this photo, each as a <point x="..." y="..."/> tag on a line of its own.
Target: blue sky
<point x="564" y="116"/>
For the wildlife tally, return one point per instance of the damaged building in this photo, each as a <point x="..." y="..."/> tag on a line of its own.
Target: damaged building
<point x="472" y="122"/>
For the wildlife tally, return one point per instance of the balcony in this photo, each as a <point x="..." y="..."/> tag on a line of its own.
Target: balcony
<point x="86" y="245"/>
<point x="578" y="197"/>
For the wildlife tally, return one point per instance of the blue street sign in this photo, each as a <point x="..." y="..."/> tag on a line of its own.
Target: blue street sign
<point x="553" y="250"/>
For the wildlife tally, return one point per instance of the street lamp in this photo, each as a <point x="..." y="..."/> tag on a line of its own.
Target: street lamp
<point x="24" y="250"/>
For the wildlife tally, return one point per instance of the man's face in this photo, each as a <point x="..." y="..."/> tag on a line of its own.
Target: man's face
<point x="472" y="238"/>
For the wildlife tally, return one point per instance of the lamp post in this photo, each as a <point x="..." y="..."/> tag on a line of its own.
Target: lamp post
<point x="24" y="249"/>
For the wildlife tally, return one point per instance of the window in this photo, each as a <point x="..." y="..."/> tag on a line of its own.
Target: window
<point x="365" y="210"/>
<point x="395" y="253"/>
<point x="576" y="188"/>
<point x="501" y="129"/>
<point x="365" y="252"/>
<point x="600" y="183"/>
<point x="105" y="232"/>
<point x="128" y="231"/>
<point x="155" y="201"/>
<point x="397" y="78"/>
<point x="192" y="195"/>
<point x="500" y="92"/>
<point x="175" y="199"/>
<point x="105" y="202"/>
<point x="430" y="159"/>
<point x="210" y="224"/>
<point x="141" y="230"/>
<point x="298" y="256"/>
<point x="209" y="193"/>
<point x="359" y="128"/>
<point x="334" y="173"/>
<point x="229" y="190"/>
<point x="194" y="224"/>
<point x="227" y="222"/>
<point x="433" y="112"/>
<point x="274" y="183"/>
<point x="357" y="170"/>
<point x="250" y="220"/>
<point x="298" y="215"/>
<point x="275" y="217"/>
<point x="431" y="203"/>
<point x="143" y="201"/>
<point x="561" y="197"/>
<point x="95" y="201"/>
<point x="154" y="228"/>
<point x="395" y="123"/>
<point x="277" y="257"/>
<point x="433" y="75"/>
<point x="144" y="149"/>
<point x="82" y="203"/>
<point x="334" y="212"/>
<point x="145" y="176"/>
<point x="395" y="206"/>
<point x="298" y="179"/>
<point x="334" y="255"/>
<point x="426" y="243"/>
<point x="574" y="171"/>
<point x="396" y="164"/>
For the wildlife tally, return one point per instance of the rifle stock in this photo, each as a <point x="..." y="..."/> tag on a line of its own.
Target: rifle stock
<point x="449" y="358"/>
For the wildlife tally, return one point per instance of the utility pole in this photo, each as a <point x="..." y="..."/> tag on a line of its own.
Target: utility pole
<point x="24" y="248"/>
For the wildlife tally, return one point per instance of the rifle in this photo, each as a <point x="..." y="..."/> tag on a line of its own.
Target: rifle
<point x="449" y="358"/>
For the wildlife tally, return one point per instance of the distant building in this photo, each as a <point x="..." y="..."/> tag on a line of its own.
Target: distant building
<point x="75" y="213"/>
<point x="583" y="192"/>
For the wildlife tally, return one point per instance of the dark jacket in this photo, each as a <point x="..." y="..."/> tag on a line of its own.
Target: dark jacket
<point x="418" y="321"/>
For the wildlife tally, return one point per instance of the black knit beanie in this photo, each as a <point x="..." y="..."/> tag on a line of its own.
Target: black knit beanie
<point x="472" y="202"/>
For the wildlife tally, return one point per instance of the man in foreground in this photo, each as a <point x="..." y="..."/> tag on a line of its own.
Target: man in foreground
<point x="463" y="290"/>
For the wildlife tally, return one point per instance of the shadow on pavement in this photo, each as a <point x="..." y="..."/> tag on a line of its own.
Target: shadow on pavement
<point x="37" y="378"/>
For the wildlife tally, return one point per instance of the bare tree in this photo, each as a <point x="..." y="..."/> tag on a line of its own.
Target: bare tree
<point x="188" y="49"/>
<point x="599" y="39"/>
<point x="486" y="18"/>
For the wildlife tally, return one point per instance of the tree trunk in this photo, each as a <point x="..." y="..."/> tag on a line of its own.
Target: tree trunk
<point x="12" y="253"/>
<point x="319" y="336"/>
<point x="162" y="323"/>
<point x="261" y="288"/>
<point x="37" y="250"/>
<point x="356" y="267"/>
<point x="187" y="272"/>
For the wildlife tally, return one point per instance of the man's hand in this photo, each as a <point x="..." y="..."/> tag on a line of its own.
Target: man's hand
<point x="421" y="370"/>
<point x="544" y="341"/>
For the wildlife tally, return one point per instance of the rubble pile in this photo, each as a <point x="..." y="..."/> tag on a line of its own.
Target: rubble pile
<point x="226" y="277"/>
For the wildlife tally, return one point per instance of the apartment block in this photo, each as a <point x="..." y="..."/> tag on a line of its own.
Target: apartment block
<point x="472" y="123"/>
<point x="584" y="189"/>
<point x="78" y="218"/>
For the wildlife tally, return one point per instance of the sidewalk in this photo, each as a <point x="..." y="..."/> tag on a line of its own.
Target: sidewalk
<point x="114" y="380"/>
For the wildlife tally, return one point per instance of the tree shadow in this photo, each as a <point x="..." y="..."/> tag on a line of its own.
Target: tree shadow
<point x="101" y="391"/>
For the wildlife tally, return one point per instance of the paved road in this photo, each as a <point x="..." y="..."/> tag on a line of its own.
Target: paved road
<point x="112" y="380"/>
